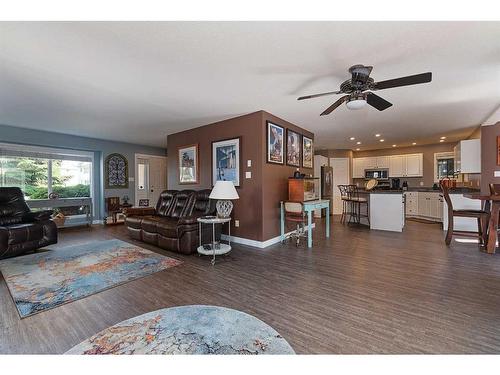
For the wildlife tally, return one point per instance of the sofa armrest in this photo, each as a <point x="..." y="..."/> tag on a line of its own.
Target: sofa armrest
<point x="139" y="211"/>
<point x="31" y="216"/>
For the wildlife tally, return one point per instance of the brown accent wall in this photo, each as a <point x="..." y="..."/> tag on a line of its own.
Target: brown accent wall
<point x="258" y="206"/>
<point x="275" y="179"/>
<point x="489" y="155"/>
<point x="427" y="150"/>
<point x="247" y="209"/>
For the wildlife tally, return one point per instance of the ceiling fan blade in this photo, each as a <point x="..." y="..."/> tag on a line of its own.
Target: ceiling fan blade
<point x="403" y="81"/>
<point x="318" y="95"/>
<point x="334" y="105"/>
<point x="377" y="102"/>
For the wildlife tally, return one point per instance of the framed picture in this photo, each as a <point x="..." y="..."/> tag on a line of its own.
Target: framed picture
<point x="116" y="172"/>
<point x="143" y="202"/>
<point x="188" y="164"/>
<point x="307" y="152"/>
<point x="293" y="146"/>
<point x="226" y="161"/>
<point x="275" y="143"/>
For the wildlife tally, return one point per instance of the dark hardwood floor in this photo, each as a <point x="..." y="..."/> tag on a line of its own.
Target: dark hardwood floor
<point x="360" y="291"/>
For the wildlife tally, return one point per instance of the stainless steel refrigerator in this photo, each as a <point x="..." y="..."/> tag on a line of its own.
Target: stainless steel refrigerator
<point x="327" y="186"/>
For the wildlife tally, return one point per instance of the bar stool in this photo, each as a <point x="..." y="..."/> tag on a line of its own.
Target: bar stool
<point x="482" y="217"/>
<point x="345" y="202"/>
<point x="356" y="202"/>
<point x="294" y="213"/>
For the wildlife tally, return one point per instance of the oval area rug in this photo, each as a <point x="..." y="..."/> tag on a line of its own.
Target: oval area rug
<point x="195" y="329"/>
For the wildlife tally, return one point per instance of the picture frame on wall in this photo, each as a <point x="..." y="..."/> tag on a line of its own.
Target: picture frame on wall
<point x="226" y="160"/>
<point x="307" y="152"/>
<point x="188" y="162"/>
<point x="275" y="143"/>
<point x="293" y="147"/>
<point x="116" y="171"/>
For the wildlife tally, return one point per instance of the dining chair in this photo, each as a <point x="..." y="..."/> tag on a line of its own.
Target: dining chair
<point x="294" y="213"/>
<point x="481" y="216"/>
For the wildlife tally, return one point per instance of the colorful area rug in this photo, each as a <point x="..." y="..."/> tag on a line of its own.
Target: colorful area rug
<point x="42" y="281"/>
<point x="187" y="330"/>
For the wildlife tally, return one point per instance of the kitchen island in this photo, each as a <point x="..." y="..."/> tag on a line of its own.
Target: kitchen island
<point x="386" y="209"/>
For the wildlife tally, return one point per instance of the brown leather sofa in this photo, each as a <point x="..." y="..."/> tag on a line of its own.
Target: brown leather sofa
<point x="173" y="224"/>
<point x="20" y="229"/>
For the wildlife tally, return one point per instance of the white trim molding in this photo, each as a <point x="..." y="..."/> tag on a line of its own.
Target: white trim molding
<point x="255" y="243"/>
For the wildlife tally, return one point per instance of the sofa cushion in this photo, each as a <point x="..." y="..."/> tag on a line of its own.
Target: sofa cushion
<point x="149" y="223"/>
<point x="134" y="221"/>
<point x="182" y="204"/>
<point x="19" y="233"/>
<point x="164" y="205"/>
<point x="167" y="227"/>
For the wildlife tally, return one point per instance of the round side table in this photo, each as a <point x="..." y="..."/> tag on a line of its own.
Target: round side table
<point x="214" y="248"/>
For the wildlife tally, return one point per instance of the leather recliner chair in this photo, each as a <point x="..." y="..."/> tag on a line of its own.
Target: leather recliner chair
<point x="20" y="229"/>
<point x="173" y="224"/>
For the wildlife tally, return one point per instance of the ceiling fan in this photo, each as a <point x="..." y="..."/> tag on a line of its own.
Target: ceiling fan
<point x="359" y="89"/>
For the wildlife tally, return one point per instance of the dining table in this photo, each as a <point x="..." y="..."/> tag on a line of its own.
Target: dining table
<point x="492" y="204"/>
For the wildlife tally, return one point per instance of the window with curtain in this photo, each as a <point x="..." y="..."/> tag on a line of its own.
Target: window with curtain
<point x="39" y="171"/>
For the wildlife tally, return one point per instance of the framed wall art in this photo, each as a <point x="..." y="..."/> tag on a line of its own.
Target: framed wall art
<point x="116" y="171"/>
<point x="293" y="147"/>
<point x="226" y="161"/>
<point x="188" y="164"/>
<point x="307" y="152"/>
<point x="275" y="143"/>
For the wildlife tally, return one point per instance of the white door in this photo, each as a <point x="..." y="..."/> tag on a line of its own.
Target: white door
<point x="414" y="165"/>
<point x="151" y="178"/>
<point x="340" y="177"/>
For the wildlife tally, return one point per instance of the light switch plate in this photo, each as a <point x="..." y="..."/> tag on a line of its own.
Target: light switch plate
<point x="237" y="223"/>
<point x="249" y="163"/>
<point x="248" y="174"/>
<point x="421" y="183"/>
<point x="496" y="174"/>
<point x="131" y="179"/>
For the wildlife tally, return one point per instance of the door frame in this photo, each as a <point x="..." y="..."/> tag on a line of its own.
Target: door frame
<point x="136" y="170"/>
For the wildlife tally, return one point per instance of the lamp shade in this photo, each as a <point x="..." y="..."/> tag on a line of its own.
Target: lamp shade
<point x="224" y="190"/>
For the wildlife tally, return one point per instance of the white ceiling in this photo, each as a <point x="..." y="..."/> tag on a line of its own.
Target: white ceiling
<point x="139" y="81"/>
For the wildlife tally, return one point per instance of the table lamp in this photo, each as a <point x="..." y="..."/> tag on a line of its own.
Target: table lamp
<point x="223" y="191"/>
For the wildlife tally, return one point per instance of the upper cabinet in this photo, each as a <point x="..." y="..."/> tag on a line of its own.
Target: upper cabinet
<point x="468" y="156"/>
<point x="410" y="165"/>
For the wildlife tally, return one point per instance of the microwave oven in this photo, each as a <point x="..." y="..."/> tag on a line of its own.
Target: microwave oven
<point x="377" y="174"/>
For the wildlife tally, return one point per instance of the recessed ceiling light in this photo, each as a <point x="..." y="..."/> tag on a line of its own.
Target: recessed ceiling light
<point x="377" y="135"/>
<point x="414" y="143"/>
<point x="393" y="145"/>
<point x="442" y="138"/>
<point x="352" y="138"/>
<point x="357" y="149"/>
<point x="358" y="142"/>
<point x="381" y="140"/>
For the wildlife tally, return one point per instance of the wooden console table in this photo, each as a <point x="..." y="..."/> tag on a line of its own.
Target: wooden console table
<point x="64" y="202"/>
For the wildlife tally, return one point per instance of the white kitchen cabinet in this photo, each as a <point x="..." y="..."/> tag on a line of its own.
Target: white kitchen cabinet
<point x="370" y="162"/>
<point x="411" y="199"/>
<point x="382" y="162"/>
<point x="410" y="165"/>
<point x="468" y="156"/>
<point x="358" y="168"/>
<point x="397" y="166"/>
<point x="414" y="165"/>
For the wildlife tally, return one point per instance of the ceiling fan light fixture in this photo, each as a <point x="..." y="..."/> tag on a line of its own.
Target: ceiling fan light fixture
<point x="357" y="102"/>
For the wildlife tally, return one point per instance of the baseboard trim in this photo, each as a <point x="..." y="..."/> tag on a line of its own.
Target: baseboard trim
<point x="255" y="243"/>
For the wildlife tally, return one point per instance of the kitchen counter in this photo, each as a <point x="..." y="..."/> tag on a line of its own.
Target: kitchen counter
<point x="457" y="190"/>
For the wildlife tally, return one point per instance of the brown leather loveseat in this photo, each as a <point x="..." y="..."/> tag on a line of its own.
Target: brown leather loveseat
<point x="20" y="229"/>
<point x="173" y="224"/>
